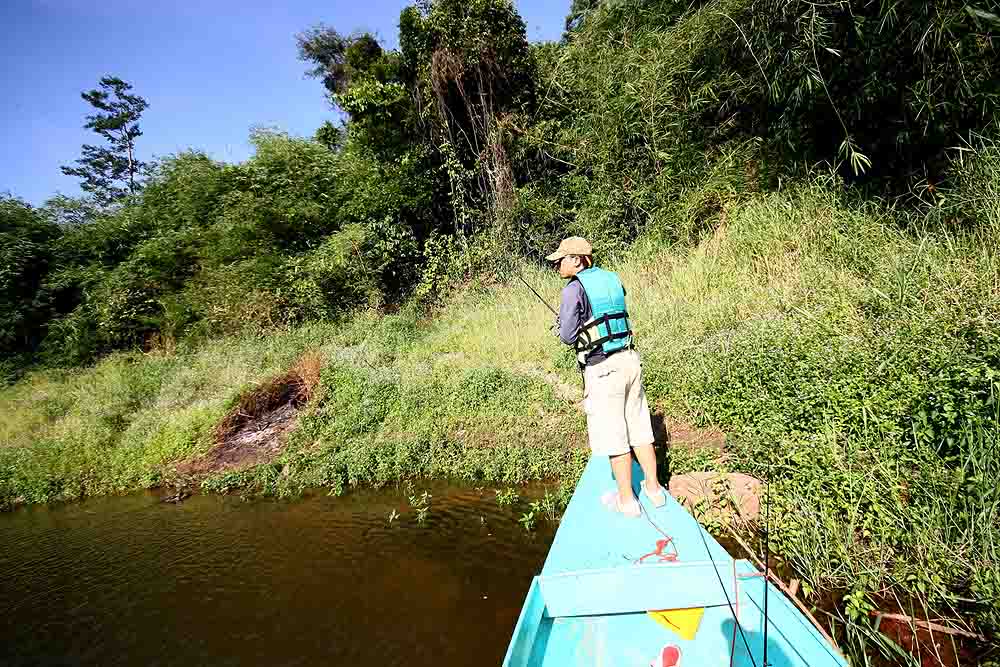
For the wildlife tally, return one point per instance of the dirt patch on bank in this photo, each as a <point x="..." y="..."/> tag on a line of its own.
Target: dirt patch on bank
<point x="725" y="497"/>
<point x="679" y="433"/>
<point x="255" y="430"/>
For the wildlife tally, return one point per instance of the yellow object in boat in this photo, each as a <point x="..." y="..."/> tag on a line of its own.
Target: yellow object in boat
<point x="684" y="622"/>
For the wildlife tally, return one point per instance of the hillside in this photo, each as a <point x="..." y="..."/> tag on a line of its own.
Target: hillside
<point x="808" y="236"/>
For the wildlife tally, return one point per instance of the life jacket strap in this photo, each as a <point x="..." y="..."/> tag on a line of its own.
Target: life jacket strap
<point x="583" y="342"/>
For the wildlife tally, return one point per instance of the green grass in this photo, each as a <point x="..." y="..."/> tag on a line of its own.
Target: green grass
<point x="852" y="357"/>
<point x="389" y="407"/>
<point x="118" y="425"/>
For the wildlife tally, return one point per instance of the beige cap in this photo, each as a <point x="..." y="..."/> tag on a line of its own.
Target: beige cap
<point x="574" y="245"/>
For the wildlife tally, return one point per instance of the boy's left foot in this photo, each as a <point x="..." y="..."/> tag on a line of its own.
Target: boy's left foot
<point x="629" y="508"/>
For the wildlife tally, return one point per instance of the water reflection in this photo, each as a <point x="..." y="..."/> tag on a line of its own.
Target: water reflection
<point x="221" y="581"/>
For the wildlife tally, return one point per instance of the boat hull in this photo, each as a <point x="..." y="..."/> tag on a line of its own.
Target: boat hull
<point x="606" y="572"/>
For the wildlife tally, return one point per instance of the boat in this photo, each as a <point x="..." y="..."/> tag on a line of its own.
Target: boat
<point x="657" y="590"/>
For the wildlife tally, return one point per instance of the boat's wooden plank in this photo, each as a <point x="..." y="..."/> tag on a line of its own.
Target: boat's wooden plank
<point x="633" y="640"/>
<point x="526" y="631"/>
<point x="639" y="588"/>
<point x="591" y="537"/>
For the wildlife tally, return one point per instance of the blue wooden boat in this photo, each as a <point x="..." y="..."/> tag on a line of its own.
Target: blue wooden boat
<point x="605" y="573"/>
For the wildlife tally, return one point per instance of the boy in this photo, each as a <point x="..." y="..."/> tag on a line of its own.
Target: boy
<point x="594" y="320"/>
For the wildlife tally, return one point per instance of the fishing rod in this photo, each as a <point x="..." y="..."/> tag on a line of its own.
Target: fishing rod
<point x="732" y="608"/>
<point x="546" y="303"/>
<point x="583" y="375"/>
<point x="767" y="551"/>
<point x="765" y="99"/>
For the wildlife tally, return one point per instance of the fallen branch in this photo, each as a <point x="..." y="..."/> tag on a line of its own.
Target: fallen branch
<point x="929" y="625"/>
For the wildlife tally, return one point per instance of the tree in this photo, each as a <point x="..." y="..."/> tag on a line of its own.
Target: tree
<point x="66" y="211"/>
<point x="365" y="82"/>
<point x="340" y="59"/>
<point x="110" y="172"/>
<point x="27" y="240"/>
<point x="473" y="74"/>
<point x="330" y="136"/>
<point x="578" y="13"/>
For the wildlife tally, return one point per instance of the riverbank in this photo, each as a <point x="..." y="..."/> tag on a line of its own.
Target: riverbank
<point x="852" y="359"/>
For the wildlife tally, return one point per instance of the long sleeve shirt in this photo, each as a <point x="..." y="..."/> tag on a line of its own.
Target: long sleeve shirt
<point x="574" y="312"/>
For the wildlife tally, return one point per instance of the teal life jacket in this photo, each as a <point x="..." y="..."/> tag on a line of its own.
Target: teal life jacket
<point x="608" y="327"/>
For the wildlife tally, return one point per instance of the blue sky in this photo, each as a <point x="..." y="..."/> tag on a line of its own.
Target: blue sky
<point x="210" y="71"/>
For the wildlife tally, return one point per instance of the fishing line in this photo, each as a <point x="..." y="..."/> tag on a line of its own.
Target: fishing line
<point x="767" y="552"/>
<point x="767" y="480"/>
<point x="732" y="609"/>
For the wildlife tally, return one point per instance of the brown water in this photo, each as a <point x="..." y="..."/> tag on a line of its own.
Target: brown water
<point x="221" y="581"/>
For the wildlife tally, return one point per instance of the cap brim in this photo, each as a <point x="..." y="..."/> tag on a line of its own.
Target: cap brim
<point x="556" y="255"/>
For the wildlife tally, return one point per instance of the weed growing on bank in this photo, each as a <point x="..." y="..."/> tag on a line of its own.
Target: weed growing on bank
<point x="850" y="353"/>
<point x="385" y="408"/>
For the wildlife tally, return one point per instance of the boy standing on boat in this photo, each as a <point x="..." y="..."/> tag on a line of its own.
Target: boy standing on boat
<point x="594" y="320"/>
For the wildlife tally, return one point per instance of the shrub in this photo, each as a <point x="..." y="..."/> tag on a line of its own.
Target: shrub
<point x="27" y="250"/>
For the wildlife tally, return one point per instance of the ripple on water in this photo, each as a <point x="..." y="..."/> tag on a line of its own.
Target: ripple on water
<point x="222" y="581"/>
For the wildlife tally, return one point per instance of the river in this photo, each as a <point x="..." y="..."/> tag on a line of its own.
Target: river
<point x="223" y="581"/>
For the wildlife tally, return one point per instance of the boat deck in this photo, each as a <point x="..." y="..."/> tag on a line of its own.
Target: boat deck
<point x="604" y="573"/>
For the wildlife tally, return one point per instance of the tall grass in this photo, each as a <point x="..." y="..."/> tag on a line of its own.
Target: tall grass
<point x="117" y="425"/>
<point x="851" y="352"/>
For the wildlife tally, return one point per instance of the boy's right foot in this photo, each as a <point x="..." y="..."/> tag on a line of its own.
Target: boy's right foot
<point x="629" y="508"/>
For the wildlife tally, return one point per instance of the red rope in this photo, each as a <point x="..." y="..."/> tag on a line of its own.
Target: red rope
<point x="662" y="557"/>
<point x="674" y="557"/>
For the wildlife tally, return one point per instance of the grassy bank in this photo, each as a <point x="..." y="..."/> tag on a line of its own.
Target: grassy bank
<point x="852" y="359"/>
<point x="394" y="401"/>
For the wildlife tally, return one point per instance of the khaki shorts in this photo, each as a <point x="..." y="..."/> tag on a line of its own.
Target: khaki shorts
<point x="615" y="403"/>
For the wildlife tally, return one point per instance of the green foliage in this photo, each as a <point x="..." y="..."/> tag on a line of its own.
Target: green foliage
<point x="366" y="83"/>
<point x="329" y="135"/>
<point x="648" y="117"/>
<point x="848" y="349"/>
<point x="339" y="59"/>
<point x="421" y="505"/>
<point x="471" y="68"/>
<point x="643" y="100"/>
<point x="578" y="11"/>
<point x="296" y="232"/>
<point x="442" y="267"/>
<point x="469" y="58"/>
<point x="630" y="118"/>
<point x="901" y="80"/>
<point x="854" y="365"/>
<point x="27" y="247"/>
<point x="507" y="497"/>
<point x="122" y="423"/>
<point x="547" y="507"/>
<point x="70" y="211"/>
<point x="110" y="173"/>
<point x="333" y="278"/>
<point x="102" y="240"/>
<point x="847" y="344"/>
<point x="970" y="197"/>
